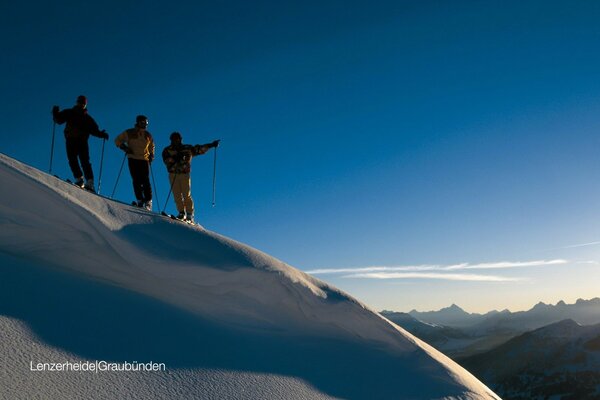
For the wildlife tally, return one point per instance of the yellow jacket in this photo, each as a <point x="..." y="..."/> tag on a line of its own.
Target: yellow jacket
<point x="140" y="143"/>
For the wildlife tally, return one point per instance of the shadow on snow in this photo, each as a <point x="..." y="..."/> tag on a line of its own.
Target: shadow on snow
<point x="101" y="322"/>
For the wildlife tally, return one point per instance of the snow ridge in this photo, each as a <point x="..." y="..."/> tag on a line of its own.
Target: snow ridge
<point x="223" y="305"/>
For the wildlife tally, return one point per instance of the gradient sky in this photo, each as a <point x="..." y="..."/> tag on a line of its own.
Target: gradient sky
<point x="455" y="143"/>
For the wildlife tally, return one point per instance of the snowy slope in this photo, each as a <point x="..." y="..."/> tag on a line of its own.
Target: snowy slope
<point x="83" y="278"/>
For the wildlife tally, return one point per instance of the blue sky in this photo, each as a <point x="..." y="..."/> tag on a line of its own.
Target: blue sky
<point x="415" y="135"/>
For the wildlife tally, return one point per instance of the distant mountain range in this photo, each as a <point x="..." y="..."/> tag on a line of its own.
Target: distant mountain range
<point x="561" y="358"/>
<point x="454" y="342"/>
<point x="451" y="316"/>
<point x="549" y="350"/>
<point x="460" y="334"/>
<point x="585" y="312"/>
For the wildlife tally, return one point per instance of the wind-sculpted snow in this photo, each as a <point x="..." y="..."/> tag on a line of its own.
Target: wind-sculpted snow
<point x="83" y="277"/>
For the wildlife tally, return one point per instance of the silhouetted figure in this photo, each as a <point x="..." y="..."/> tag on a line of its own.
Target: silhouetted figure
<point x="80" y="125"/>
<point x="178" y="159"/>
<point x="137" y="142"/>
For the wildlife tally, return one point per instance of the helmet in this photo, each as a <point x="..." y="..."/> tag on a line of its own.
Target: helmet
<point x="141" y="118"/>
<point x="82" y="100"/>
<point x="175" y="136"/>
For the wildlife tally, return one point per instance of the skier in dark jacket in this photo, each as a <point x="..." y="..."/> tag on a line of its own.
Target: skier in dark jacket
<point x="178" y="160"/>
<point x="80" y="125"/>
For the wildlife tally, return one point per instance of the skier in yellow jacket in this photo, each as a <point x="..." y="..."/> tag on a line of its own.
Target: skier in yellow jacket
<point x="178" y="160"/>
<point x="138" y="144"/>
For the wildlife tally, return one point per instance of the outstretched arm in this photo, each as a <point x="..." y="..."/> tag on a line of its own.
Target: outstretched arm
<point x="203" y="148"/>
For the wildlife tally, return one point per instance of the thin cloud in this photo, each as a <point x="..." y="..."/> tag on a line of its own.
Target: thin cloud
<point x="507" y="264"/>
<point x="591" y="262"/>
<point x="437" y="268"/>
<point x="421" y="275"/>
<point x="374" y="269"/>
<point x="572" y="246"/>
<point x="580" y="245"/>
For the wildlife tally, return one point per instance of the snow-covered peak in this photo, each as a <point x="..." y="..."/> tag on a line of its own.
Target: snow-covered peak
<point x="270" y="317"/>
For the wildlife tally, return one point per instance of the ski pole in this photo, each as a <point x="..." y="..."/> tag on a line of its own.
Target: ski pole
<point x="52" y="147"/>
<point x="214" y="178"/>
<point x="154" y="184"/>
<point x="169" y="195"/>
<point x="101" y="162"/>
<point x="118" y="176"/>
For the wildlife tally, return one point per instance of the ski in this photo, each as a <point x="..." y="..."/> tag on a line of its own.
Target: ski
<point x="133" y="203"/>
<point x="174" y="217"/>
<point x="70" y="182"/>
<point x="80" y="187"/>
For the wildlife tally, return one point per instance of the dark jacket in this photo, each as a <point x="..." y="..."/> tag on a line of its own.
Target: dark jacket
<point x="178" y="158"/>
<point x="79" y="123"/>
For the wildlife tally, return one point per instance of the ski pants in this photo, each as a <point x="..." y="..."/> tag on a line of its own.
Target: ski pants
<point x="140" y="174"/>
<point x="182" y="192"/>
<point x="78" y="151"/>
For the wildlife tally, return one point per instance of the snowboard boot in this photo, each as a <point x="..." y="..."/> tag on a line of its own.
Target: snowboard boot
<point x="79" y="182"/>
<point x="148" y="205"/>
<point x="181" y="215"/>
<point x="190" y="218"/>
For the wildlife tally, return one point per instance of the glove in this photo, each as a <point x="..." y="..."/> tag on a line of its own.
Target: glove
<point x="125" y="148"/>
<point x="103" y="135"/>
<point x="215" y="143"/>
<point x="55" y="109"/>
